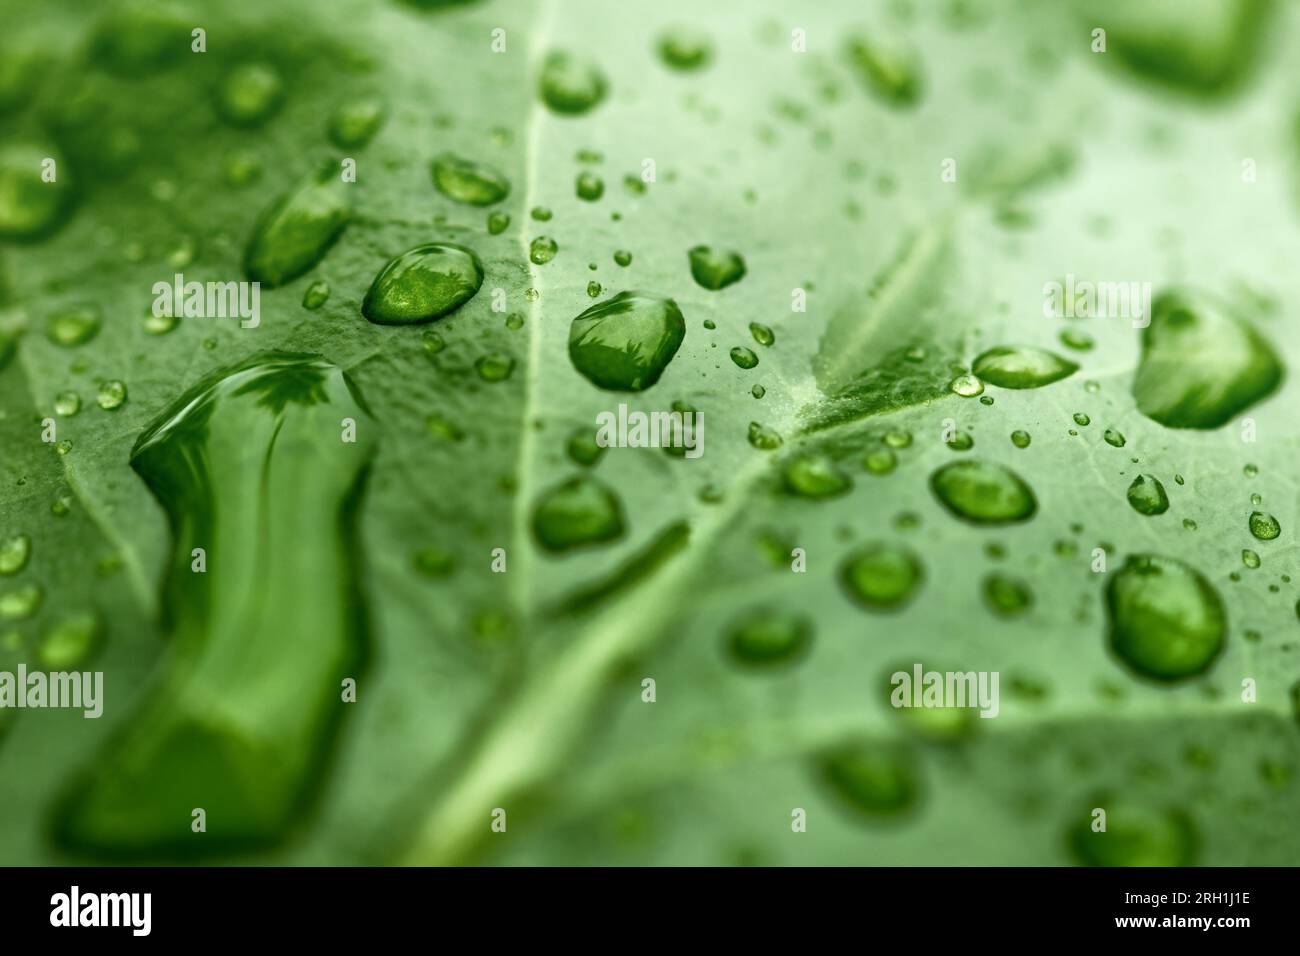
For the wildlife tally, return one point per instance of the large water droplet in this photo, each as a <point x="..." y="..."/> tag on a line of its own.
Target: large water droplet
<point x="423" y="284"/>
<point x="983" y="493"/>
<point x="1166" y="620"/>
<point x="296" y="230"/>
<point x="249" y="466"/>
<point x="881" y="576"/>
<point x="716" y="268"/>
<point x="577" y="513"/>
<point x="1021" y="367"/>
<point x="625" y="343"/>
<point x="1147" y="495"/>
<point x="769" y="638"/>
<point x="468" y="182"/>
<point x="569" y="84"/>
<point x="1200" y="366"/>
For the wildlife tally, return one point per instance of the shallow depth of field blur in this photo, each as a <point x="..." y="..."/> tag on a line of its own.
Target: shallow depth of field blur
<point x="363" y="585"/>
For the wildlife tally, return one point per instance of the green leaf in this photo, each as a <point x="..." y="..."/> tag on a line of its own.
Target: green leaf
<point x="646" y="657"/>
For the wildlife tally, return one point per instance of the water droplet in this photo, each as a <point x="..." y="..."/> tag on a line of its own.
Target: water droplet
<point x="1264" y="526"/>
<point x="983" y="493"/>
<point x="296" y="230"/>
<point x="1007" y="596"/>
<point x="514" y="321"/>
<point x="1135" y="835"/>
<point x="762" y="334"/>
<point x="494" y="367"/>
<point x="1256" y="500"/>
<point x="880" y="462"/>
<point x="1200" y="366"/>
<point x="468" y="182"/>
<point x="716" y="269"/>
<point x="111" y="395"/>
<point x="1020" y="439"/>
<point x="743" y="357"/>
<point x="250" y="94"/>
<point x="967" y="386"/>
<point x="1166" y="620"/>
<point x="770" y="637"/>
<point x="1250" y="559"/>
<point x="355" y="122"/>
<point x="434" y="562"/>
<point x="961" y="441"/>
<point x="881" y="576"/>
<point x="1074" y="339"/>
<point x="541" y="214"/>
<point x="497" y="223"/>
<point x="74" y="326"/>
<point x="31" y="208"/>
<point x="542" y="250"/>
<point x="589" y="186"/>
<point x="70" y="643"/>
<point x="579" y="512"/>
<point x="1189" y="524"/>
<point x="622" y="257"/>
<point x="1021" y="367"/>
<point x="890" y="69"/>
<point x="758" y="391"/>
<point x="14" y="552"/>
<point x="1147" y="495"/>
<point x="684" y="49"/>
<point x="159" y="324"/>
<point x="815" y="476"/>
<point x="242" y="168"/>
<point x="897" y="439"/>
<point x="570" y="85"/>
<point x="317" y="294"/>
<point x="1250" y="471"/>
<point x="626" y="342"/>
<point x="423" y="284"/>
<point x="64" y="446"/>
<point x="583" y="448"/>
<point x="1114" y="438"/>
<point x="760" y="436"/>
<point x="21" y="603"/>
<point x="1081" y="419"/>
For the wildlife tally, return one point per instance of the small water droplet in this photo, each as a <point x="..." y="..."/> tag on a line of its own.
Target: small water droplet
<point x="1074" y="339"/>
<point x="111" y="395"/>
<point x="465" y="181"/>
<point x="762" y="334"/>
<point x="881" y="576"/>
<point x="569" y="84"/>
<point x="250" y="94"/>
<point x="583" y="448"/>
<point x="1081" y="419"/>
<point x="967" y="386"/>
<point x="1147" y="495"/>
<point x="622" y="257"/>
<point x="760" y="436"/>
<point x="494" y="367"/>
<point x="1265" y="527"/>
<point x="890" y="69"/>
<point x="497" y="223"/>
<point x="1020" y="438"/>
<point x="14" y="552"/>
<point x="758" y="391"/>
<point x="1114" y="439"/>
<point x="31" y="208"/>
<point x="73" y="327"/>
<point x="815" y="476"/>
<point x="1021" y="367"/>
<point x="577" y="513"/>
<point x="21" y="602"/>
<point x="682" y="48"/>
<point x="715" y="269"/>
<point x="317" y="294"/>
<point x="355" y="122"/>
<point x="1249" y="558"/>
<point x="743" y="357"/>
<point x="770" y="637"/>
<point x="897" y="439"/>
<point x="542" y="250"/>
<point x="961" y="441"/>
<point x="880" y="462"/>
<point x="70" y="643"/>
<point x="1007" y="596"/>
